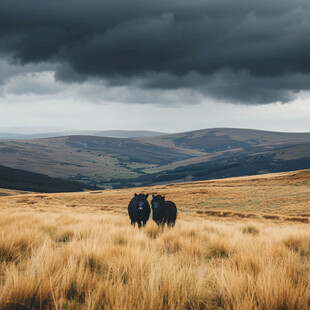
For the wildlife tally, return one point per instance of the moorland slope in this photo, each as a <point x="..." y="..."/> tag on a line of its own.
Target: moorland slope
<point x="191" y="156"/>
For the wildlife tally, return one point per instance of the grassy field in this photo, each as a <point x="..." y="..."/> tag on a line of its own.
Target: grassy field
<point x="241" y="243"/>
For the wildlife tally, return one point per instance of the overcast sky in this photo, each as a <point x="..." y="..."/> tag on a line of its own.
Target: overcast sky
<point x="164" y="65"/>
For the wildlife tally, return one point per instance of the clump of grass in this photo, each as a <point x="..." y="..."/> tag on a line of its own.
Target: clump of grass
<point x="153" y="231"/>
<point x="251" y="230"/>
<point x="210" y="229"/>
<point x="299" y="244"/>
<point x="93" y="263"/>
<point x="71" y="305"/>
<point x="169" y="243"/>
<point x="15" y="247"/>
<point x="63" y="236"/>
<point x="218" y="251"/>
<point x="189" y="233"/>
<point x="218" y="247"/>
<point x="120" y="238"/>
<point x="75" y="294"/>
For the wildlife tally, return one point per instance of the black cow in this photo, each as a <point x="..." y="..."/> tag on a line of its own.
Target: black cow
<point x="139" y="209"/>
<point x="163" y="211"/>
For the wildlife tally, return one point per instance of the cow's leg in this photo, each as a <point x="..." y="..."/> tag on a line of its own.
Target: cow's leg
<point x="171" y="223"/>
<point x="144" y="223"/>
<point x="132" y="223"/>
<point x="165" y="221"/>
<point x="139" y="224"/>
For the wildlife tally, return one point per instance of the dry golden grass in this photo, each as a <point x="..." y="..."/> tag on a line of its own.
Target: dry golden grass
<point x="279" y="196"/>
<point x="78" y="251"/>
<point x="10" y="192"/>
<point x="69" y="261"/>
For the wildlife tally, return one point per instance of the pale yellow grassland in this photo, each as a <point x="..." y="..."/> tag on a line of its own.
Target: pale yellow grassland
<point x="79" y="251"/>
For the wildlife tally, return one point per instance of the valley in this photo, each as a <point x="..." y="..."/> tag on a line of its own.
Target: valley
<point x="129" y="162"/>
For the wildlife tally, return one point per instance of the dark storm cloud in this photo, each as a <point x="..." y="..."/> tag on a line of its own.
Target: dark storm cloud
<point x="8" y="71"/>
<point x="237" y="51"/>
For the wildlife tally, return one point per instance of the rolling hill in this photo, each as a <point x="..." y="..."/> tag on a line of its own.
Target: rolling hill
<point x="128" y="162"/>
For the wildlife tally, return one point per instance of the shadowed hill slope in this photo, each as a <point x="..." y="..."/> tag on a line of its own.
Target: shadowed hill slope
<point x="18" y="179"/>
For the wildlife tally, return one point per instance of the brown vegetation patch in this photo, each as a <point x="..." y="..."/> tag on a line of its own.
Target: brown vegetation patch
<point x="297" y="219"/>
<point x="299" y="244"/>
<point x="220" y="213"/>
<point x="250" y="229"/>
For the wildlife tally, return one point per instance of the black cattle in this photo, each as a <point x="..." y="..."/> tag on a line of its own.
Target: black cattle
<point x="163" y="211"/>
<point x="139" y="209"/>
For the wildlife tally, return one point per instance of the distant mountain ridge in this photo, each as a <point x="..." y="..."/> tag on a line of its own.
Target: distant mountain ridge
<point x="197" y="155"/>
<point x="97" y="133"/>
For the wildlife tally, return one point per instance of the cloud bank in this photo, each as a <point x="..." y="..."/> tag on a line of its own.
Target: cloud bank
<point x="234" y="51"/>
